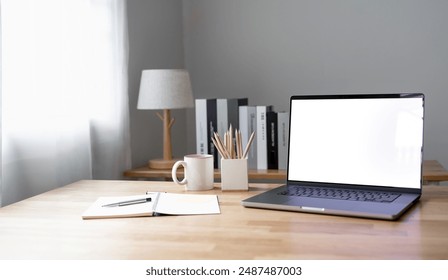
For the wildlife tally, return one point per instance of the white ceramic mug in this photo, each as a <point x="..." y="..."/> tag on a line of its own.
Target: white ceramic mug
<point x="198" y="172"/>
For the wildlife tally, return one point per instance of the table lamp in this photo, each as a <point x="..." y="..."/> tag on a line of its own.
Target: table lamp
<point x="165" y="89"/>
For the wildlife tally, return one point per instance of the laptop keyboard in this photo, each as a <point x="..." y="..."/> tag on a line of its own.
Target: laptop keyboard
<point x="341" y="194"/>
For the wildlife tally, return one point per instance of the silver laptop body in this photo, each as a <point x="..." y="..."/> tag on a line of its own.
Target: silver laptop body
<point x="353" y="155"/>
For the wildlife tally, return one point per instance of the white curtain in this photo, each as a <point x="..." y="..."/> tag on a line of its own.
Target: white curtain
<point x="64" y="94"/>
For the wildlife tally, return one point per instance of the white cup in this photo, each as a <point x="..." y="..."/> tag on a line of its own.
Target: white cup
<point x="198" y="172"/>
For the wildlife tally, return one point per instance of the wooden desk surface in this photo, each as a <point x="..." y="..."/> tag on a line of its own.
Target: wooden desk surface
<point x="433" y="172"/>
<point x="49" y="226"/>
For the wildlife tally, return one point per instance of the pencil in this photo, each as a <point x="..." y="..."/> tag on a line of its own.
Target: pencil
<point x="241" y="144"/>
<point x="231" y="148"/>
<point x="246" y="151"/>
<point x="237" y="144"/>
<point x="217" y="147"/>
<point x="221" y="146"/>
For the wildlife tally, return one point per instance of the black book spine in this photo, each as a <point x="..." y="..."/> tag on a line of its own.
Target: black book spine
<point x="272" y="139"/>
<point x="212" y="121"/>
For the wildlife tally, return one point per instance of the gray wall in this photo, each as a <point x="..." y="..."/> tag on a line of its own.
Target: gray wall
<point x="268" y="50"/>
<point x="155" y="42"/>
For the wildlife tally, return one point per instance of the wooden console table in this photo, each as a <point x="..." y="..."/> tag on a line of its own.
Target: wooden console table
<point x="433" y="173"/>
<point x="146" y="173"/>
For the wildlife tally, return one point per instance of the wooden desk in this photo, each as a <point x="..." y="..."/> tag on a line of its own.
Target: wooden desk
<point x="433" y="172"/>
<point x="49" y="226"/>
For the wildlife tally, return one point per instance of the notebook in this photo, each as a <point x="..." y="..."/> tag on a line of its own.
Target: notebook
<point x="151" y="204"/>
<point x="352" y="155"/>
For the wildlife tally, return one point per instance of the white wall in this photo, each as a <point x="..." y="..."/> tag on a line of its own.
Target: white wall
<point x="268" y="50"/>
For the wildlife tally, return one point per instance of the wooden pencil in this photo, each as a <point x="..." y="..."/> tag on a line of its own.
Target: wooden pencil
<point x="249" y="143"/>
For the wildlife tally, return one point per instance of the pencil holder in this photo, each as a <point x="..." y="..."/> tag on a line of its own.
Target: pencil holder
<point x="234" y="175"/>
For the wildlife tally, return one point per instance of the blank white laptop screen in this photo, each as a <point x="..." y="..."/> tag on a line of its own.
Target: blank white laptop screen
<point x="374" y="142"/>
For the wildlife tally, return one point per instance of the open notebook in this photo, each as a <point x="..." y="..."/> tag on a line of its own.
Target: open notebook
<point x="156" y="203"/>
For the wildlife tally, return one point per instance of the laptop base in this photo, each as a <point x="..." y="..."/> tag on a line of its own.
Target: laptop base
<point x="272" y="199"/>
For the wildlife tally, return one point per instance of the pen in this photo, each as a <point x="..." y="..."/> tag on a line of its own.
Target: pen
<point x="128" y="202"/>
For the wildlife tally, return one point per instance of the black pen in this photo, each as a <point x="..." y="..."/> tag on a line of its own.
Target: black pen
<point x="128" y="202"/>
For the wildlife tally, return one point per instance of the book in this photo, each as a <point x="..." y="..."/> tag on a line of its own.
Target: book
<point x="222" y="116"/>
<point x="206" y="125"/>
<point x="262" y="154"/>
<point x="233" y="105"/>
<point x="272" y="139"/>
<point x="211" y="129"/>
<point x="160" y="203"/>
<point x="227" y="110"/>
<point x="283" y="132"/>
<point x="248" y="124"/>
<point x="201" y="126"/>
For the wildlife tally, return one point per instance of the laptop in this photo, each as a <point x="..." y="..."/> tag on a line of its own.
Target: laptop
<point x="352" y="155"/>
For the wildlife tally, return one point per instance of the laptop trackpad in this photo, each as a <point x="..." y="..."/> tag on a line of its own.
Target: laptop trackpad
<point x="308" y="203"/>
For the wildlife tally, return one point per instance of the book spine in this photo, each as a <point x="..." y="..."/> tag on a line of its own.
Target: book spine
<point x="222" y="117"/>
<point x="233" y="110"/>
<point x="212" y="126"/>
<point x="247" y="124"/>
<point x="262" y="155"/>
<point x="283" y="132"/>
<point x="253" y="127"/>
<point x="201" y="126"/>
<point x="272" y="139"/>
<point x="243" y="101"/>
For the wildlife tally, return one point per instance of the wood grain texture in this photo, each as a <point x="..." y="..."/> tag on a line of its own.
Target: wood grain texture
<point x="49" y="226"/>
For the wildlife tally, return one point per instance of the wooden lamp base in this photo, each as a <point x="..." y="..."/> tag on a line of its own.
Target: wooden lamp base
<point x="167" y="161"/>
<point x="161" y="163"/>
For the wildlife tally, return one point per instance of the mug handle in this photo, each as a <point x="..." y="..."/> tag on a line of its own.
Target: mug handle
<point x="174" y="170"/>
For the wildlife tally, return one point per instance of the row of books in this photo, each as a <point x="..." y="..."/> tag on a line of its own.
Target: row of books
<point x="269" y="149"/>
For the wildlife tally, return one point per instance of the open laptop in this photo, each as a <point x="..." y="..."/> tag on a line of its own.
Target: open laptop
<point x="352" y="155"/>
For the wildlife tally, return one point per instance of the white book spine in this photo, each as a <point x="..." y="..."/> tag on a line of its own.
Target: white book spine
<point x="201" y="126"/>
<point x="262" y="154"/>
<point x="248" y="124"/>
<point x="244" y="122"/>
<point x="283" y="131"/>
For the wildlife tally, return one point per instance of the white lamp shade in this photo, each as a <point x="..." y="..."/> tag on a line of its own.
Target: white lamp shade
<point x="165" y="89"/>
